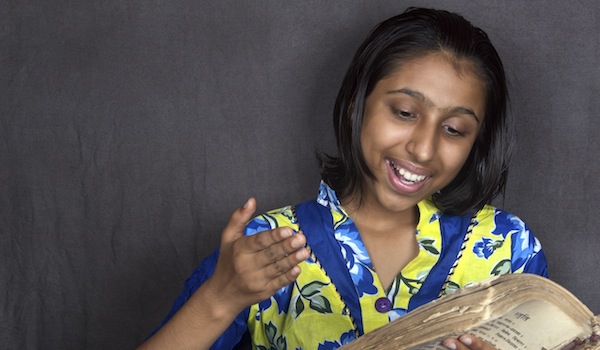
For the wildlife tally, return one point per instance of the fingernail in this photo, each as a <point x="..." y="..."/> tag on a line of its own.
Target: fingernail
<point x="295" y="271"/>
<point x="285" y="233"/>
<point x="296" y="243"/>
<point x="246" y="204"/>
<point x="465" y="339"/>
<point x="451" y="346"/>
<point x="301" y="255"/>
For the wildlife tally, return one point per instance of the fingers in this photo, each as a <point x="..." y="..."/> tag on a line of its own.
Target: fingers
<point x="260" y="274"/>
<point x="466" y="342"/>
<point x="252" y="268"/>
<point x="266" y="239"/>
<point x="285" y="271"/>
<point x="287" y="278"/>
<point x="277" y="246"/>
<point x="237" y="222"/>
<point x="279" y="261"/>
<point x="453" y="344"/>
<point x="287" y="262"/>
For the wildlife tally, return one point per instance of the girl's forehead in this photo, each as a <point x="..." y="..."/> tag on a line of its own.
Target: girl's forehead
<point x="436" y="82"/>
<point x="461" y="65"/>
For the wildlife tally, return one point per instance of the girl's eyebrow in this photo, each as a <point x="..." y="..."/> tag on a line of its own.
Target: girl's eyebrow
<point x="419" y="96"/>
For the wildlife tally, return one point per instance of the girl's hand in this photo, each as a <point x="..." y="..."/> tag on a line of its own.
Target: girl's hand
<point x="249" y="269"/>
<point x="467" y="342"/>
<point x="252" y="268"/>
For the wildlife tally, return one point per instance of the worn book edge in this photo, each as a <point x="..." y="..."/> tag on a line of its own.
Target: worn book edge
<point x="515" y="311"/>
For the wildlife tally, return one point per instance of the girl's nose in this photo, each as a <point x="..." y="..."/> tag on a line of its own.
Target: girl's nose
<point x="423" y="142"/>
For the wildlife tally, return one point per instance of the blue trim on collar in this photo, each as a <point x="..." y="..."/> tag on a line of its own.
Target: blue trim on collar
<point x="453" y="229"/>
<point x="316" y="222"/>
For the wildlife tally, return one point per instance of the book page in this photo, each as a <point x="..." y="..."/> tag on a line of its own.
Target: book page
<point x="535" y="324"/>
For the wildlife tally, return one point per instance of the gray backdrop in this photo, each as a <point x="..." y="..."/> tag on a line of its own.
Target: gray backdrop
<point x="131" y="129"/>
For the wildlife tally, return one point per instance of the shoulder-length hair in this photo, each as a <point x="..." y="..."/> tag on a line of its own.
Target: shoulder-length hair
<point x="415" y="33"/>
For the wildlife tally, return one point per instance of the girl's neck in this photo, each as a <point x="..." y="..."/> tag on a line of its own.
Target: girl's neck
<point x="374" y="219"/>
<point x="388" y="236"/>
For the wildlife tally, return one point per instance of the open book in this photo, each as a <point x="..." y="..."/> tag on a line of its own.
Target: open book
<point x="515" y="311"/>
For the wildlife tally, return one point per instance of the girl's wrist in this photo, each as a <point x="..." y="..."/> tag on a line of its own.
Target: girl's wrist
<point x="217" y="303"/>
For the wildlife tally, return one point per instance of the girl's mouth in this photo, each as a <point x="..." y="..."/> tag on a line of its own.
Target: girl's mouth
<point x="406" y="176"/>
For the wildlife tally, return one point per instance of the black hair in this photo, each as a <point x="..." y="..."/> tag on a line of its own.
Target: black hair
<point x="412" y="34"/>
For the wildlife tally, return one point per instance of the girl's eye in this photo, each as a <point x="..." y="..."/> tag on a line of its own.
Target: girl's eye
<point x="404" y="114"/>
<point x="451" y="131"/>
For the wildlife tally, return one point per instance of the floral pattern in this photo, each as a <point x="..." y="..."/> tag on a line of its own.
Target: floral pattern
<point x="314" y="296"/>
<point x="311" y="294"/>
<point x="275" y="342"/>
<point x="524" y="244"/>
<point x="357" y="260"/>
<point x="486" y="247"/>
<point x="491" y="238"/>
<point x="311" y="314"/>
<point x="344" y="339"/>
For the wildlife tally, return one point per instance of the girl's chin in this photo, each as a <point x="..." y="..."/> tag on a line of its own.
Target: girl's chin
<point x="392" y="202"/>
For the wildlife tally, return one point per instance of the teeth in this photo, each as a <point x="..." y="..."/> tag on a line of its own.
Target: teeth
<point x="408" y="175"/>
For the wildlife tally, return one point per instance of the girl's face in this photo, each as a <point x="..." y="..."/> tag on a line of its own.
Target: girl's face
<point x="419" y="126"/>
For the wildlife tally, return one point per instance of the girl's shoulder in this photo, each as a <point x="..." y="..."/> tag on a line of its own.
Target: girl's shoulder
<point x="495" y="221"/>
<point x="502" y="219"/>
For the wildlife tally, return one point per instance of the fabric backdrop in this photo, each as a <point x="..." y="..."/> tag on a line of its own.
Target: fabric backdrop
<point x="131" y="129"/>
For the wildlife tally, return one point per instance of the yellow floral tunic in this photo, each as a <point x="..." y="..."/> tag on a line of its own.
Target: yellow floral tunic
<point x="338" y="297"/>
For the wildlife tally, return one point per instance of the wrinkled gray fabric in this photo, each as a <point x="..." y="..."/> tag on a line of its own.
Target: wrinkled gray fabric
<point x="131" y="129"/>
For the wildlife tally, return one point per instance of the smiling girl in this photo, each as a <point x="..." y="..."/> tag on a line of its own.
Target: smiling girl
<point x="402" y="216"/>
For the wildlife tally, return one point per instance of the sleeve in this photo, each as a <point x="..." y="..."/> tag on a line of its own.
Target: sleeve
<point x="537" y="264"/>
<point x="232" y="336"/>
<point x="527" y="253"/>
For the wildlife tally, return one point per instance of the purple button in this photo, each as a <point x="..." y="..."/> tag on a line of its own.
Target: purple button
<point x="383" y="305"/>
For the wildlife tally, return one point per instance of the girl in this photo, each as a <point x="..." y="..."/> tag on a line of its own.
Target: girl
<point x="402" y="216"/>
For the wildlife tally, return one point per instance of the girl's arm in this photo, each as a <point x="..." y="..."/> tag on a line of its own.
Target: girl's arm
<point x="249" y="269"/>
